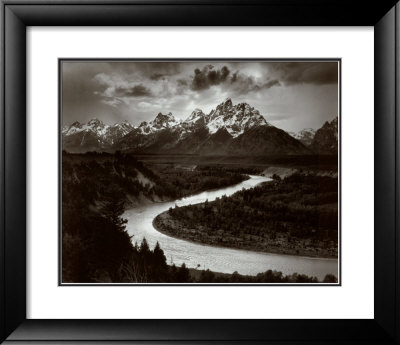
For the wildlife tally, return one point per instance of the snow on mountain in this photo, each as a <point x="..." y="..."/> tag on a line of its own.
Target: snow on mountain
<point x="124" y="128"/>
<point x="76" y="127"/>
<point x="117" y="131"/>
<point x="195" y="116"/>
<point x="228" y="129"/>
<point x="306" y="135"/>
<point x="195" y="119"/>
<point x="96" y="132"/>
<point x="65" y="129"/>
<point x="236" y="119"/>
<point x="160" y="122"/>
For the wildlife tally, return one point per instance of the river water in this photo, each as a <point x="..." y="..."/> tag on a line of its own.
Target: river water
<point x="140" y="225"/>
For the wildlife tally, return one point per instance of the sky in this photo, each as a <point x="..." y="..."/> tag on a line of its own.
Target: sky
<point x="290" y="95"/>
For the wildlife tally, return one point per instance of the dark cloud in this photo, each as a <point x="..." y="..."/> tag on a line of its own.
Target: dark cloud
<point x="237" y="81"/>
<point x="208" y="76"/>
<point x="306" y="72"/>
<point x="135" y="91"/>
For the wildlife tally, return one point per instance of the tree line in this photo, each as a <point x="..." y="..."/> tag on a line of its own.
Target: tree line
<point x="296" y="215"/>
<point x="269" y="276"/>
<point x="96" y="247"/>
<point x="95" y="244"/>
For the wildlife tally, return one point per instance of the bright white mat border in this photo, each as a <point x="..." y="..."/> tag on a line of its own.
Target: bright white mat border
<point x="354" y="299"/>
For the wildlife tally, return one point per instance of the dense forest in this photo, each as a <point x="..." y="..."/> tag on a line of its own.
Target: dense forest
<point x="96" y="188"/>
<point x="206" y="276"/>
<point x="96" y="248"/>
<point x="296" y="215"/>
<point x="95" y="244"/>
<point x="96" y="172"/>
<point x="186" y="180"/>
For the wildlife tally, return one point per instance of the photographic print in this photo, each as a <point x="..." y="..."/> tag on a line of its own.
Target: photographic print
<point x="199" y="171"/>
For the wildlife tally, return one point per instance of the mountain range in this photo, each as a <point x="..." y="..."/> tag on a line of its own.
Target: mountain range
<point x="227" y="130"/>
<point x="326" y="138"/>
<point x="306" y="135"/>
<point x="321" y="141"/>
<point x="93" y="136"/>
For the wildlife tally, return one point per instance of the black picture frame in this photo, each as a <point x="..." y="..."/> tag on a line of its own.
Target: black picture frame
<point x="16" y="15"/>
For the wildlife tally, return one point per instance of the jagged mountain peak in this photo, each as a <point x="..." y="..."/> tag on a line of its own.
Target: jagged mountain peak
<point x="227" y="103"/>
<point x="229" y="128"/>
<point x="162" y="116"/>
<point x="119" y="130"/>
<point x="225" y="106"/>
<point x="331" y="125"/>
<point x="95" y="122"/>
<point x="326" y="138"/>
<point x="235" y="118"/>
<point x="124" y="123"/>
<point x="306" y="135"/>
<point x="195" y="116"/>
<point x="76" y="124"/>
<point x="165" y="118"/>
<point x="94" y="134"/>
<point x="335" y="121"/>
<point x="161" y="121"/>
<point x="196" y="112"/>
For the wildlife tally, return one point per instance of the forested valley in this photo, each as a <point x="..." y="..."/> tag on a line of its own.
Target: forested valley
<point x="297" y="215"/>
<point x="96" y="189"/>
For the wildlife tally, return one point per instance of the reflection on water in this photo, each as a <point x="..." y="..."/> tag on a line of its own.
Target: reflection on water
<point x="217" y="259"/>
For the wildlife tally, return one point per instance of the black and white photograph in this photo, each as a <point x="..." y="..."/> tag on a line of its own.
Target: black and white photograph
<point x="200" y="171"/>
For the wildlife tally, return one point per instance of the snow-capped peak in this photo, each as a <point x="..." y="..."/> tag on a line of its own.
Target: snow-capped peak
<point x="96" y="126"/>
<point x="303" y="132"/>
<point x="124" y="124"/>
<point x="122" y="128"/>
<point x="226" y="119"/>
<point x="165" y="121"/>
<point x="95" y="122"/>
<point x="195" y="116"/>
<point x="104" y="133"/>
<point x="161" y="121"/>
<point x="306" y="135"/>
<point x="236" y="119"/>
<point x="227" y="103"/>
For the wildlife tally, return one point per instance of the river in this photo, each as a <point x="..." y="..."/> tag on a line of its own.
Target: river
<point x="140" y="225"/>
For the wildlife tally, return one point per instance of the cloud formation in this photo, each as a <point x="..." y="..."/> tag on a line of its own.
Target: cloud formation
<point x="135" y="91"/>
<point x="208" y="76"/>
<point x="237" y="82"/>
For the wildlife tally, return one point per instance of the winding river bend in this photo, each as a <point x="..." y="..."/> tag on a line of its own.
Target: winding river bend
<point x="140" y="225"/>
